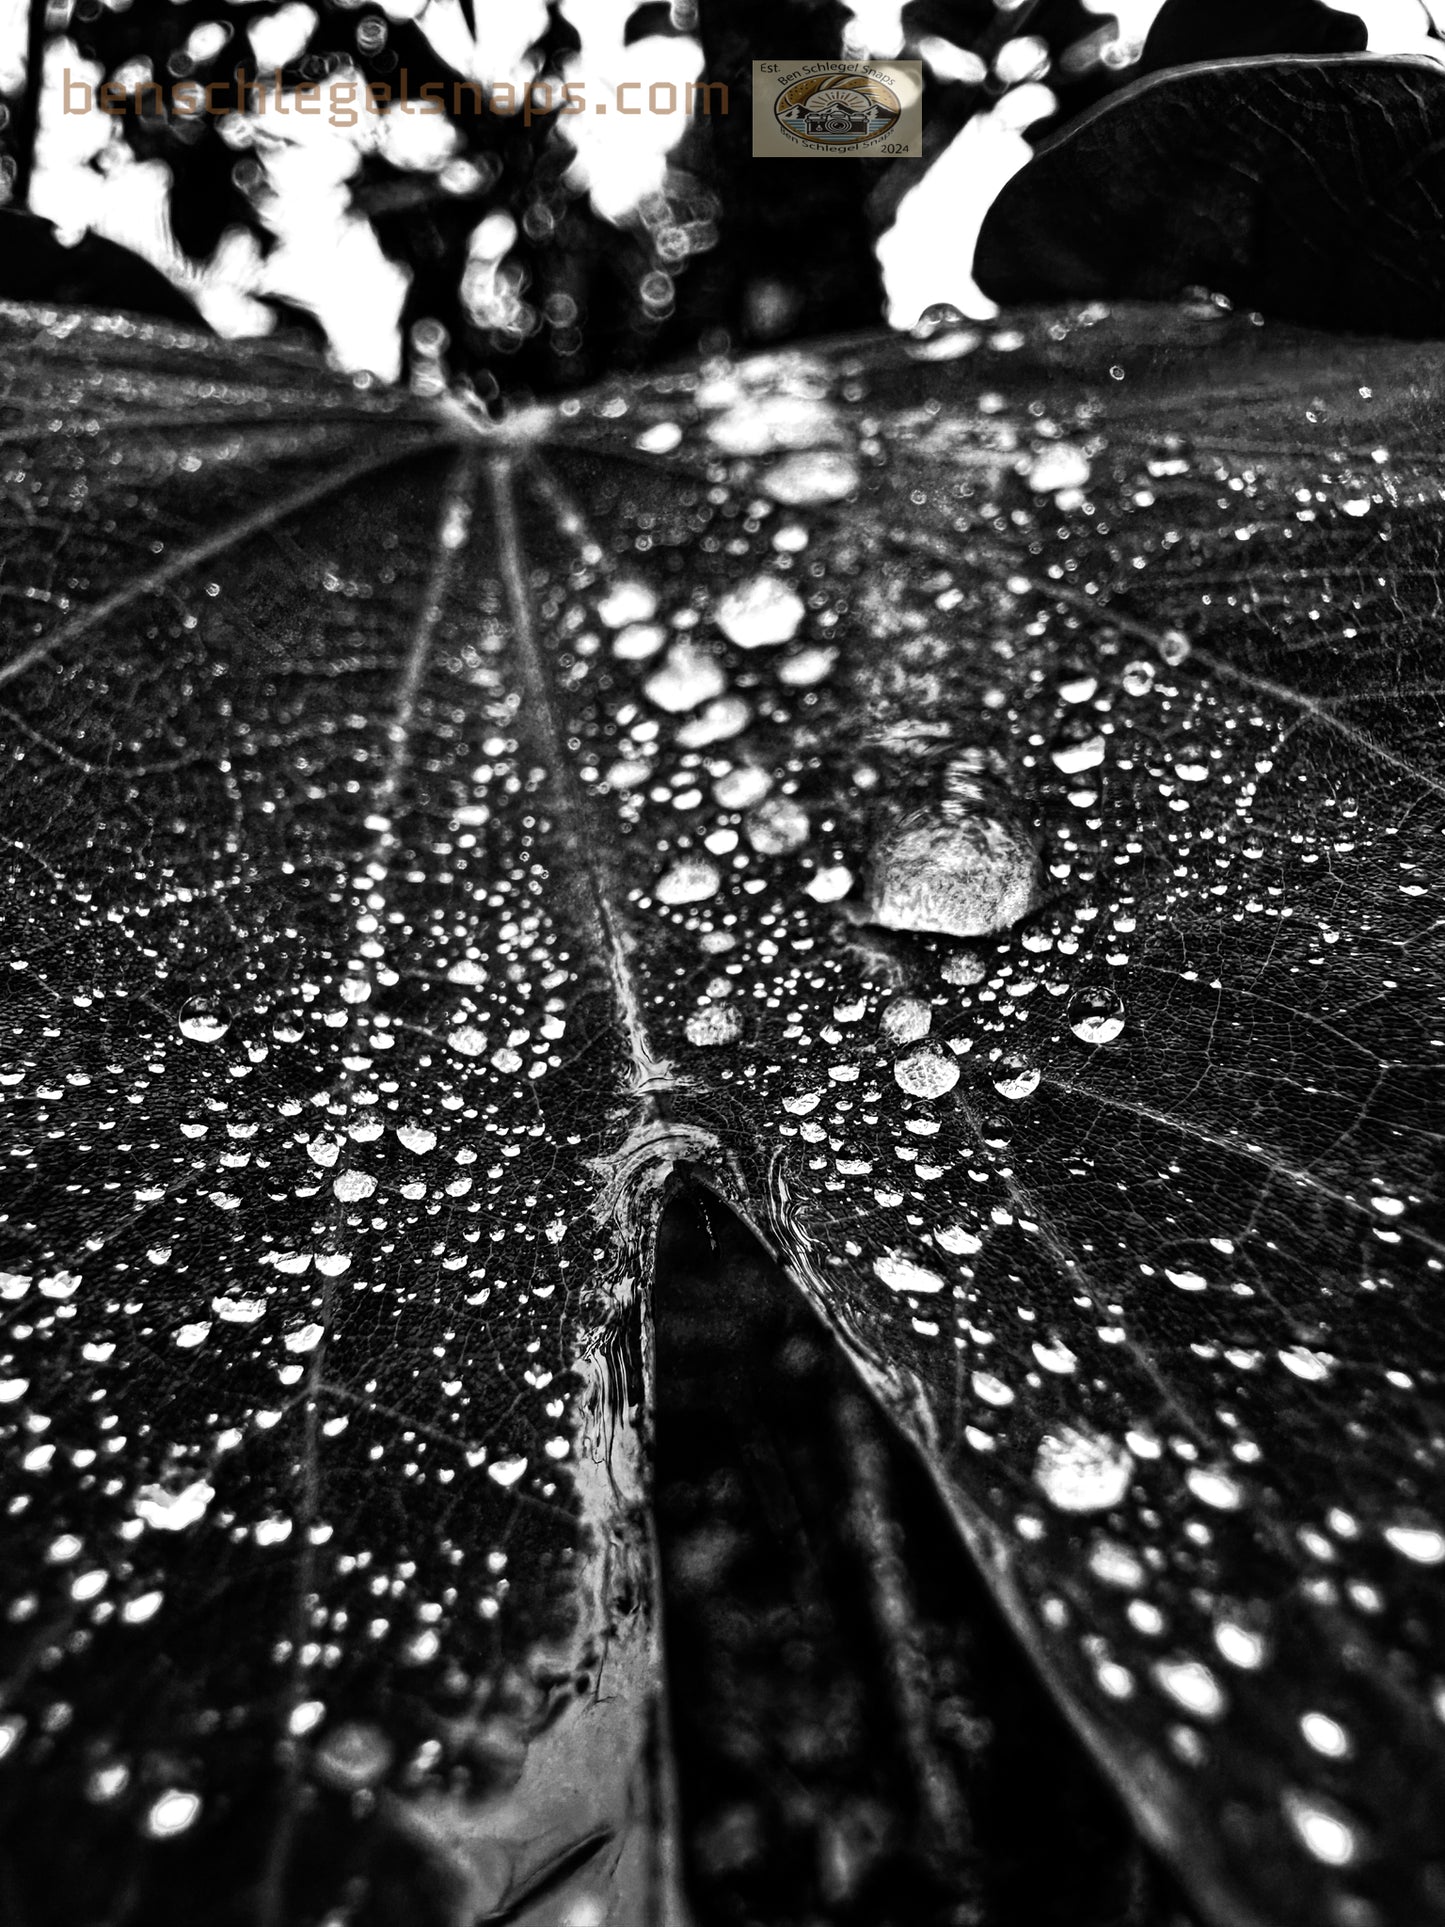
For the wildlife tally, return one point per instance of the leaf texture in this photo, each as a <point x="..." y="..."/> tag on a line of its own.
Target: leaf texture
<point x="973" y="802"/>
<point x="1309" y="188"/>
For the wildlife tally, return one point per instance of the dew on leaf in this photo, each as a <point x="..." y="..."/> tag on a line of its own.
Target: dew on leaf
<point x="925" y="1071"/>
<point x="716" y="1025"/>
<point x="627" y="602"/>
<point x="1015" y="1079"/>
<point x="688" y="678"/>
<point x="691" y="880"/>
<point x="1191" y="1685"/>
<point x="738" y="789"/>
<point x="760" y="613"/>
<point x="1058" y="466"/>
<point x="174" y="1510"/>
<point x="171" y="1812"/>
<point x="777" y="826"/>
<point x="811" y="480"/>
<point x="1425" y="1545"/>
<point x="353" y="1756"/>
<point x="1323" y="1830"/>
<point x="903" y="1274"/>
<point x="716" y="722"/>
<point x="830" y="884"/>
<point x="204" y="1020"/>
<point x="234" y="1309"/>
<point x="1096" y="1016"/>
<point x="959" y="869"/>
<point x="1082" y="1471"/>
<point x="905" y="1020"/>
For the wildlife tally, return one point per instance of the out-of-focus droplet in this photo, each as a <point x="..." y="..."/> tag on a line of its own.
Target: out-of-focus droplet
<point x="906" y="1019"/>
<point x="716" y="1025"/>
<point x="777" y="825"/>
<point x="903" y="1274"/>
<point x="810" y="480"/>
<point x="760" y="613"/>
<point x="1081" y="1471"/>
<point x="925" y="1071"/>
<point x="690" y="880"/>
<point x="963" y="868"/>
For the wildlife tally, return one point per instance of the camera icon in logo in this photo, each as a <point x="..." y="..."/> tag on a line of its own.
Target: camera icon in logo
<point x="838" y="110"/>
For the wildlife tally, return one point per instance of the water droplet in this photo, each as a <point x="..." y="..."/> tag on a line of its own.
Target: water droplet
<point x="960" y="869"/>
<point x="1240" y="1645"/>
<point x="1424" y="1544"/>
<point x="1096" y="1016"/>
<point x="690" y="880"/>
<point x="417" y="1138"/>
<point x="352" y="1186"/>
<point x="1116" y="1565"/>
<point x="805" y="481"/>
<point x="173" y="1511"/>
<point x="777" y="825"/>
<point x="1325" y="1735"/>
<point x="238" y="1311"/>
<point x="204" y="1020"/>
<point x="353" y="1756"/>
<point x="902" y="1274"/>
<point x="171" y="1813"/>
<point x="689" y="677"/>
<point x="829" y="885"/>
<point x="906" y="1019"/>
<point x="925" y="1071"/>
<point x="761" y="613"/>
<point x="1214" y="1487"/>
<point x="1080" y="1471"/>
<point x="957" y="1239"/>
<point x="1138" y="678"/>
<point x="715" y="1025"/>
<point x="1190" y="1684"/>
<point x="1323" y="1831"/>
<point x="1059" y="466"/>
<point x="627" y="602"/>
<point x="1013" y="1078"/>
<point x="507" y="1471"/>
<point x="1072" y="758"/>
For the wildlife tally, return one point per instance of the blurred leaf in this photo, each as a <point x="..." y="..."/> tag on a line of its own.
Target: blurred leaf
<point x="1185" y="31"/>
<point x="432" y="841"/>
<point x="1309" y="189"/>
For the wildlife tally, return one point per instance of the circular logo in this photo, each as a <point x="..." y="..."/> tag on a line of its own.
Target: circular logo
<point x="837" y="110"/>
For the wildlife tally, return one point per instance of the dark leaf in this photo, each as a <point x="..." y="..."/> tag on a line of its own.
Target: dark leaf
<point x="1308" y="189"/>
<point x="35" y="265"/>
<point x="1190" y="30"/>
<point x="976" y="803"/>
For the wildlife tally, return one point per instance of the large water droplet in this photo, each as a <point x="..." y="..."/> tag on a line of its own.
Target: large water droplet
<point x="963" y="868"/>
<point x="805" y="481"/>
<point x="925" y="1071"/>
<point x="902" y="1274"/>
<point x="1080" y="1471"/>
<point x="204" y="1020"/>
<point x="761" y="613"/>
<point x="173" y="1511"/>
<point x="1096" y="1016"/>
<point x="777" y="826"/>
<point x="1013" y="1078"/>
<point x="690" y="880"/>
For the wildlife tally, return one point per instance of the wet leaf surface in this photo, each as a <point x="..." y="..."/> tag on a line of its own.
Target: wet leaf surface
<point x="974" y="804"/>
<point x="1307" y="188"/>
